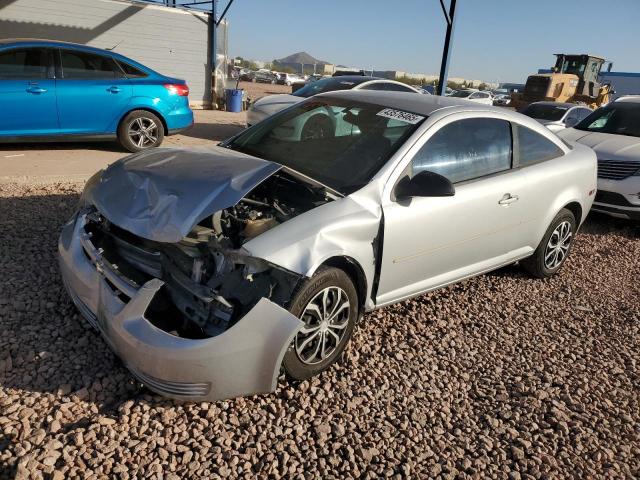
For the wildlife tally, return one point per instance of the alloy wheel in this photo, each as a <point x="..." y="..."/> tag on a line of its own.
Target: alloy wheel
<point x="326" y="318"/>
<point x="558" y="246"/>
<point x="143" y="132"/>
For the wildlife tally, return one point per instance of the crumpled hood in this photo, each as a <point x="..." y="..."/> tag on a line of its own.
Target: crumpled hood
<point x="606" y="145"/>
<point x="161" y="194"/>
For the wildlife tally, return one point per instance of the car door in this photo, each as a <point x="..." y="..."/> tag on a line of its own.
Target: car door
<point x="432" y="241"/>
<point x="93" y="93"/>
<point x="545" y="171"/>
<point x="27" y="92"/>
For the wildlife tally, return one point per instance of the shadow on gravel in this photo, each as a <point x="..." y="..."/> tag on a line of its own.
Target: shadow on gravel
<point x="107" y="146"/>
<point x="45" y="345"/>
<point x="213" y="131"/>
<point x="601" y="224"/>
<point x="6" y="443"/>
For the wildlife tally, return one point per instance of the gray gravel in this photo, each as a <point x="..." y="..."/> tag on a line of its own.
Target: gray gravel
<point x="501" y="376"/>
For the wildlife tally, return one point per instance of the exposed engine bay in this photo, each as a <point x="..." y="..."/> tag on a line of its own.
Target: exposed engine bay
<point x="210" y="280"/>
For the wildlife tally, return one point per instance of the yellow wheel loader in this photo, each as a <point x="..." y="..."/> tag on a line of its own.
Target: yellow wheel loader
<point x="573" y="79"/>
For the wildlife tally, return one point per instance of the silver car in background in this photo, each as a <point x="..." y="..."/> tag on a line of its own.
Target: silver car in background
<point x="613" y="132"/>
<point x="557" y="116"/>
<point x="266" y="106"/>
<point x="211" y="270"/>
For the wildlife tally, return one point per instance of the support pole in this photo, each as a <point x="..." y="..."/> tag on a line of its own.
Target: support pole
<point x="446" y="50"/>
<point x="214" y="53"/>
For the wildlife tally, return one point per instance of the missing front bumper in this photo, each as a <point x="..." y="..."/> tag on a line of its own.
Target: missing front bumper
<point x="243" y="360"/>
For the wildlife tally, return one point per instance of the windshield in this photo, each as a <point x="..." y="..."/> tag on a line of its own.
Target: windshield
<point x="325" y="85"/>
<point x="574" y="65"/>
<point x="620" y="118"/>
<point x="461" y="93"/>
<point x="339" y="143"/>
<point x="545" y="112"/>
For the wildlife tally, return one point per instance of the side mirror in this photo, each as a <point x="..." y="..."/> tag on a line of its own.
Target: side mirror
<point x="424" y="184"/>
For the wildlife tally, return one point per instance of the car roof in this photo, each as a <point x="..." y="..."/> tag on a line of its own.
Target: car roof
<point x="559" y="104"/>
<point x="357" y="78"/>
<point x="629" y="99"/>
<point x="43" y="42"/>
<point x="39" y="42"/>
<point x="420" y="104"/>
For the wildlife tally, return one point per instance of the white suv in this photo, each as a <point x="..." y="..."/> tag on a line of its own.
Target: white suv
<point x="613" y="132"/>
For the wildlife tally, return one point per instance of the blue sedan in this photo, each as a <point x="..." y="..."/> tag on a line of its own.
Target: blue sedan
<point x="54" y="91"/>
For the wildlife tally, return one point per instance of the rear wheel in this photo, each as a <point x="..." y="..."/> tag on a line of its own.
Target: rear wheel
<point x="328" y="305"/>
<point x="554" y="248"/>
<point x="140" y="130"/>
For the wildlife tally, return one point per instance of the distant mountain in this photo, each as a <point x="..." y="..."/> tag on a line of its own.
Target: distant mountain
<point x="301" y="57"/>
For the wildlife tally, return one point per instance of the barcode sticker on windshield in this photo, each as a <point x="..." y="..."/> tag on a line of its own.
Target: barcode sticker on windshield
<point x="411" y="118"/>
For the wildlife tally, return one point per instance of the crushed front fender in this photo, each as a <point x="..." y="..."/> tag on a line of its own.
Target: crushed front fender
<point x="243" y="360"/>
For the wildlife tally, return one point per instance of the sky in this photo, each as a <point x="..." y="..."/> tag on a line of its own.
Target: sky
<point x="494" y="40"/>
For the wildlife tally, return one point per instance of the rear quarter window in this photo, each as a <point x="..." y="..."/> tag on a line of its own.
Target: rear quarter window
<point x="130" y="71"/>
<point x="531" y="147"/>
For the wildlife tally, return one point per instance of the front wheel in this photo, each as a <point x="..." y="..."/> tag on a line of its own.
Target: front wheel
<point x="554" y="248"/>
<point x="140" y="130"/>
<point x="327" y="303"/>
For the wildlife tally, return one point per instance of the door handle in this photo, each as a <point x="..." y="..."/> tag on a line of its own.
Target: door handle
<point x="508" y="199"/>
<point x="35" y="89"/>
<point x="114" y="89"/>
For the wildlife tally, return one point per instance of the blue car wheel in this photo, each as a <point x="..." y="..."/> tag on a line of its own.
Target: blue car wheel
<point x="140" y="130"/>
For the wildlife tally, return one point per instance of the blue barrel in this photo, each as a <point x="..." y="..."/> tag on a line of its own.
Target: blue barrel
<point x="233" y="100"/>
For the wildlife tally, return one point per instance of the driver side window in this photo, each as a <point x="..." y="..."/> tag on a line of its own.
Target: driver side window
<point x="466" y="149"/>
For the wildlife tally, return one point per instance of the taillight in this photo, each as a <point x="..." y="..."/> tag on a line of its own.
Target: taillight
<point x="177" y="89"/>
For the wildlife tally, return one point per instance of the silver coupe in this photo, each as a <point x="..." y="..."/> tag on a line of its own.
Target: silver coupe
<point x="211" y="271"/>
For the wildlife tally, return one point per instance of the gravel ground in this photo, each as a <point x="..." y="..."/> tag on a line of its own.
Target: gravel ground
<point x="501" y="376"/>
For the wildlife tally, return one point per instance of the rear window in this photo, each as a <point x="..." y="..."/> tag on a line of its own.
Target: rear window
<point x="545" y="112"/>
<point x="328" y="85"/>
<point x="533" y="147"/>
<point x="131" y="71"/>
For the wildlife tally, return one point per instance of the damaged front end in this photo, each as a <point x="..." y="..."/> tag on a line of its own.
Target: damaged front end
<point x="210" y="281"/>
<point x="199" y="318"/>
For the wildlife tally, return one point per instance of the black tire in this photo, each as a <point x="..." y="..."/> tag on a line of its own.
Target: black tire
<point x="132" y="122"/>
<point x="316" y="127"/>
<point x="326" y="278"/>
<point x="536" y="264"/>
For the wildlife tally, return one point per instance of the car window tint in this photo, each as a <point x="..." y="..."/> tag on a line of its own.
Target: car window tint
<point x="341" y="143"/>
<point x="466" y="149"/>
<point x="534" y="148"/>
<point x="373" y="86"/>
<point x="88" y="66"/>
<point x="583" y="113"/>
<point x="394" y="87"/>
<point x="131" y="71"/>
<point x="27" y="63"/>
